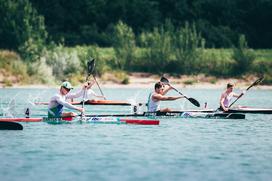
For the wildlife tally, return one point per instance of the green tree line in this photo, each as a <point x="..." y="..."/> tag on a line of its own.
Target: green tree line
<point x="56" y="38"/>
<point x="88" y="22"/>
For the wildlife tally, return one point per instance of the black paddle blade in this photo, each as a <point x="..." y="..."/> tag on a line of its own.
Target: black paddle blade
<point x="258" y="81"/>
<point x="164" y="80"/>
<point x="6" y="125"/>
<point x="194" y="102"/>
<point x="90" y="66"/>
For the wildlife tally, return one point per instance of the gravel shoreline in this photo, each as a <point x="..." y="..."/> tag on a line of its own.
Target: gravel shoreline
<point x="190" y="82"/>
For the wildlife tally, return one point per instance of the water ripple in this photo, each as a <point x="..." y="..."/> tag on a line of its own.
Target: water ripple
<point x="177" y="149"/>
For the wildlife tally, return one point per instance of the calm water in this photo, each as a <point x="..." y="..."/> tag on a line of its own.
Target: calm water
<point x="177" y="149"/>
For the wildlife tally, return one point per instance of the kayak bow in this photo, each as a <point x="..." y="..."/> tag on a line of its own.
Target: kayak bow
<point x="6" y="125"/>
<point x="250" y="110"/>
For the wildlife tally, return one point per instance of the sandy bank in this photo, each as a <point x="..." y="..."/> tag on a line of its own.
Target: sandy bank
<point x="142" y="80"/>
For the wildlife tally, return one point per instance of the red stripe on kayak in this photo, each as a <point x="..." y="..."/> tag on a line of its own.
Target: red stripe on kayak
<point x="22" y="119"/>
<point x="141" y="121"/>
<point x="127" y="121"/>
<point x="67" y="118"/>
<point x="32" y="119"/>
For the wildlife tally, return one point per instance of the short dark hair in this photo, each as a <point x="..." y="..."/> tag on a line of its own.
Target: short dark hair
<point x="158" y="85"/>
<point x="229" y="85"/>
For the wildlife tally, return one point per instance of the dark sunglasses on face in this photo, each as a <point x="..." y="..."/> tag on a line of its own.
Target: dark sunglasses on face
<point x="67" y="89"/>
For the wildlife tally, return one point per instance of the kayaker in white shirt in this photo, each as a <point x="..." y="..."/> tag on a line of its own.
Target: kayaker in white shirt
<point x="158" y="95"/>
<point x="90" y="94"/>
<point x="59" y="100"/>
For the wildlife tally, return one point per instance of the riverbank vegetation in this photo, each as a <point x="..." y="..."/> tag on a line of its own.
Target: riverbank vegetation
<point x="40" y="46"/>
<point x="69" y="63"/>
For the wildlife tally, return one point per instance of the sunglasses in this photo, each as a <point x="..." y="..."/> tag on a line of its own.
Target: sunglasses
<point x="67" y="89"/>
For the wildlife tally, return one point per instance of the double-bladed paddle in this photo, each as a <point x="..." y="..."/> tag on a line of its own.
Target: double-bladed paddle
<point x="192" y="100"/>
<point x="253" y="84"/>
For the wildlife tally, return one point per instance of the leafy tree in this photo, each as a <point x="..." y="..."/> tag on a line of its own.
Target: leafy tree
<point x="21" y="26"/>
<point x="124" y="45"/>
<point x="242" y="56"/>
<point x="159" y="54"/>
<point x="188" y="46"/>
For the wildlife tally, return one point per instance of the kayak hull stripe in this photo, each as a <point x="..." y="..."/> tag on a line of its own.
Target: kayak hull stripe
<point x="90" y="120"/>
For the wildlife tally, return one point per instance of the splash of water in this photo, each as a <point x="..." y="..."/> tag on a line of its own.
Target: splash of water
<point x="8" y="107"/>
<point x="136" y="106"/>
<point x="31" y="105"/>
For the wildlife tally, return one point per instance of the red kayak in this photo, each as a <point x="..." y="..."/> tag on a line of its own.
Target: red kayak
<point x="21" y="119"/>
<point x="88" y="119"/>
<point x="30" y="119"/>
<point x="141" y="121"/>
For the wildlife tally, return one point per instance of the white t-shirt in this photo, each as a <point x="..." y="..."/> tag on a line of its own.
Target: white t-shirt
<point x="89" y="95"/>
<point x="59" y="99"/>
<point x="227" y="99"/>
<point x="152" y="105"/>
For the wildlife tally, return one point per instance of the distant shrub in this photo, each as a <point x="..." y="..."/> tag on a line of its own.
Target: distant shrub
<point x="243" y="57"/>
<point x="125" y="80"/>
<point x="119" y="77"/>
<point x="216" y="62"/>
<point x="41" y="72"/>
<point x="31" y="50"/>
<point x="159" y="52"/>
<point x="7" y="82"/>
<point x="63" y="61"/>
<point x="12" y="65"/>
<point x="261" y="66"/>
<point x="172" y="50"/>
<point x="124" y="45"/>
<point x="189" y="82"/>
<point x="87" y="53"/>
<point x="213" y="81"/>
<point x="188" y="45"/>
<point x="267" y="79"/>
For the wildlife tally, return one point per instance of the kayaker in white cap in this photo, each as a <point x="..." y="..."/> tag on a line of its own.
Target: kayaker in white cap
<point x="59" y="100"/>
